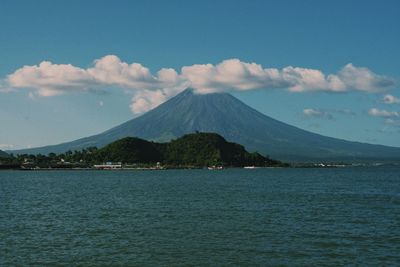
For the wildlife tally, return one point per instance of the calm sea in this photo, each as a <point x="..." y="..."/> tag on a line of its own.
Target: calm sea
<point x="260" y="217"/>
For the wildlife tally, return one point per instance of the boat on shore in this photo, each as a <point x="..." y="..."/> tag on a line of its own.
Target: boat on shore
<point x="250" y="167"/>
<point x="215" y="168"/>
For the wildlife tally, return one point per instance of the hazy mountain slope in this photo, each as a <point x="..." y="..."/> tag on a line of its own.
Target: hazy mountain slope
<point x="237" y="122"/>
<point x="3" y="154"/>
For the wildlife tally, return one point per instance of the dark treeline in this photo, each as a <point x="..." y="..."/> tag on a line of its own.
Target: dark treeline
<point x="192" y="150"/>
<point x="83" y="158"/>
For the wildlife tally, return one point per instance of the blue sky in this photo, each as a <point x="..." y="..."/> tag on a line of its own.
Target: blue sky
<point x="319" y="35"/>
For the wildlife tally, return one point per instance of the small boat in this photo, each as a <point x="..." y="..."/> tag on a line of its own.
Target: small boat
<point x="215" y="168"/>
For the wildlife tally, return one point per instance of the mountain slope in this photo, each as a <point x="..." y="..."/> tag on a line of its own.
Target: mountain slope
<point x="3" y="154"/>
<point x="224" y="114"/>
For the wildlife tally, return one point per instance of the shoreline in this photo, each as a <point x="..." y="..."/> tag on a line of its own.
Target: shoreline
<point x="198" y="168"/>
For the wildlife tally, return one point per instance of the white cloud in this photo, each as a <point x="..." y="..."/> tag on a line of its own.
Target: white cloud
<point x="363" y="79"/>
<point x="310" y="112"/>
<point x="393" y="122"/>
<point x="383" y="113"/>
<point x="312" y="80"/>
<point x="146" y="100"/>
<point x="110" y="70"/>
<point x="326" y="113"/>
<point x="6" y="146"/>
<point x="390" y="99"/>
<point x="49" y="79"/>
<point x="234" y="74"/>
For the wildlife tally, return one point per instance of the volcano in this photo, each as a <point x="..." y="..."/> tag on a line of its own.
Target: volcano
<point x="224" y="114"/>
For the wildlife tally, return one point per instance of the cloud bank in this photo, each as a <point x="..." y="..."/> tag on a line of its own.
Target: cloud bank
<point x="149" y="90"/>
<point x="48" y="79"/>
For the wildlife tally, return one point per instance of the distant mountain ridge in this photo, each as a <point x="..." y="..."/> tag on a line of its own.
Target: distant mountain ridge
<point x="223" y="114"/>
<point x="3" y="154"/>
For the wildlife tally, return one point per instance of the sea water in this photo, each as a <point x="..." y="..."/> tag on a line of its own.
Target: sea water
<point x="258" y="217"/>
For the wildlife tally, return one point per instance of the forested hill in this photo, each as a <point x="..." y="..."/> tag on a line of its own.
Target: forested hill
<point x="198" y="149"/>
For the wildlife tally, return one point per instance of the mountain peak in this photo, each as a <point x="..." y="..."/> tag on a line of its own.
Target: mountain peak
<point x="190" y="92"/>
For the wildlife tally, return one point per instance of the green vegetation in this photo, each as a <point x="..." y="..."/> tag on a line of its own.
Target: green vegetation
<point x="77" y="159"/>
<point x="209" y="149"/>
<point x="130" y="150"/>
<point x="192" y="150"/>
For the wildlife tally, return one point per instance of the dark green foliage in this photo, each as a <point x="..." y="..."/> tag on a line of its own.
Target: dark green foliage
<point x="199" y="149"/>
<point x="191" y="150"/>
<point x="8" y="161"/>
<point x="208" y="149"/>
<point x="130" y="150"/>
<point x="194" y="149"/>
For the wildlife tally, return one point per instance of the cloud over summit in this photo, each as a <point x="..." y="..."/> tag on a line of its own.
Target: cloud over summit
<point x="49" y="79"/>
<point x="235" y="75"/>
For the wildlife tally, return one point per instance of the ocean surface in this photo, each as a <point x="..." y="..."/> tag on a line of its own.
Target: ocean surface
<point x="233" y="217"/>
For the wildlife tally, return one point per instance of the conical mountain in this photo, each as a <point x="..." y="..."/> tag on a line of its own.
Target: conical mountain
<point x="224" y="114"/>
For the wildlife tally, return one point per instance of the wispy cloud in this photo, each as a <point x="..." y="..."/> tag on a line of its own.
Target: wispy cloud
<point x="375" y="112"/>
<point x="4" y="87"/>
<point x="317" y="113"/>
<point x="393" y="122"/>
<point x="326" y="113"/>
<point x="390" y="99"/>
<point x="344" y="112"/>
<point x="48" y="79"/>
<point x="6" y="146"/>
<point x="311" y="112"/>
<point x="391" y="118"/>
